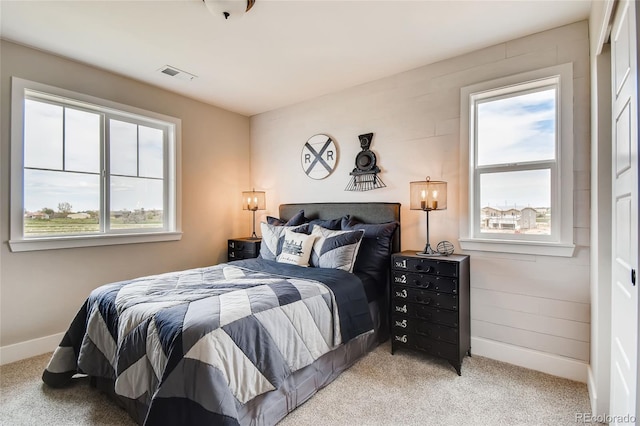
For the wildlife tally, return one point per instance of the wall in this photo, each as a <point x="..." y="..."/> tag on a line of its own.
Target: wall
<point x="528" y="310"/>
<point x="40" y="292"/>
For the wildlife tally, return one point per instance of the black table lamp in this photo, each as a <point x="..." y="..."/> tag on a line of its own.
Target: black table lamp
<point x="428" y="195"/>
<point x="254" y="200"/>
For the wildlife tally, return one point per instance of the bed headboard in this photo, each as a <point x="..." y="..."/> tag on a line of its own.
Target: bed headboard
<point x="364" y="212"/>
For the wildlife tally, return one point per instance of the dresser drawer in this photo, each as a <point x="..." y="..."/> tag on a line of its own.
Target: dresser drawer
<point x="431" y="298"/>
<point x="428" y="282"/>
<point x="429" y="266"/>
<point x="424" y="312"/>
<point x="403" y="325"/>
<point x="434" y="347"/>
<point x="242" y="249"/>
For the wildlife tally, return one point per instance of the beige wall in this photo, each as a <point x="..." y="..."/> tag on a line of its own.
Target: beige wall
<point x="530" y="310"/>
<point x="40" y="292"/>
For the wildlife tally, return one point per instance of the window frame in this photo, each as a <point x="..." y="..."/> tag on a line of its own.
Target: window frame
<point x="22" y="89"/>
<point x="560" y="241"/>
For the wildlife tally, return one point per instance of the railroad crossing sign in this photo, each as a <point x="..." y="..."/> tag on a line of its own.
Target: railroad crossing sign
<point x="319" y="156"/>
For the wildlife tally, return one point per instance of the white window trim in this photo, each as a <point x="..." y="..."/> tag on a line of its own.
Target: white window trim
<point x="563" y="245"/>
<point x="17" y="241"/>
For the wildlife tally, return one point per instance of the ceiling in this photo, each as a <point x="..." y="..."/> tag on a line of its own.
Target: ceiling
<point x="282" y="51"/>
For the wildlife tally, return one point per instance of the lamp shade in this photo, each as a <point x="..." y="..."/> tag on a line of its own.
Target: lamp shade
<point x="254" y="200"/>
<point x="428" y="195"/>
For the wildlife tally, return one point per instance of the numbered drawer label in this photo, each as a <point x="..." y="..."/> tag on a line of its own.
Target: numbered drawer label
<point x="427" y="282"/>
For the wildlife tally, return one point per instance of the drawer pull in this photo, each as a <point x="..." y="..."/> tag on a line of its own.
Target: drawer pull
<point x="402" y="323"/>
<point x="402" y="309"/>
<point x="425" y="301"/>
<point x="402" y="293"/>
<point x="427" y="268"/>
<point x="232" y="244"/>
<point x="402" y="338"/>
<point x="232" y="254"/>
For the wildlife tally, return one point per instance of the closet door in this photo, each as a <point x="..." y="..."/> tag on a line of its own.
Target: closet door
<point x="624" y="293"/>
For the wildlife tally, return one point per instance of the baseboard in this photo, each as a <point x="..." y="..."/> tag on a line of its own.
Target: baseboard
<point x="30" y="348"/>
<point x="535" y="360"/>
<point x="593" y="391"/>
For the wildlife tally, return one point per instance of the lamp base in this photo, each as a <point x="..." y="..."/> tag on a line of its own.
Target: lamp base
<point x="428" y="251"/>
<point x="254" y="237"/>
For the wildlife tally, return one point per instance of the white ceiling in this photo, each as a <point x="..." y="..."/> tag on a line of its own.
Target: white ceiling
<point x="282" y="51"/>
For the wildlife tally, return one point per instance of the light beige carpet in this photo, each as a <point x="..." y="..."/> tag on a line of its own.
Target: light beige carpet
<point x="382" y="389"/>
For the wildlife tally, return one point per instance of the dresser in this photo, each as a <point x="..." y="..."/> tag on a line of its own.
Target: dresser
<point x="243" y="248"/>
<point x="430" y="305"/>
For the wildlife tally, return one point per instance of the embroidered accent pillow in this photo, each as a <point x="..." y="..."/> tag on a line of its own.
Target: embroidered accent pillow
<point x="335" y="249"/>
<point x="273" y="239"/>
<point x="296" y="248"/>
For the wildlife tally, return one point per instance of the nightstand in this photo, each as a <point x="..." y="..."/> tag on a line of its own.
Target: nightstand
<point x="430" y="305"/>
<point x="243" y="248"/>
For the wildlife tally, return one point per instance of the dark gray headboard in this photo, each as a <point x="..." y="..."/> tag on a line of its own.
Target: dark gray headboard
<point x="364" y="212"/>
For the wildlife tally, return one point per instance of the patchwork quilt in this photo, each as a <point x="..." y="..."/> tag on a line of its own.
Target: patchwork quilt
<point x="195" y="345"/>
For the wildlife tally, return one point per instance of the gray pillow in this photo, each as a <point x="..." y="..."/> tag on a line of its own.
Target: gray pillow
<point x="273" y="239"/>
<point x="335" y="249"/>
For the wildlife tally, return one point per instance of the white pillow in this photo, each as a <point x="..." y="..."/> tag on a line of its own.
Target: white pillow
<point x="296" y="248"/>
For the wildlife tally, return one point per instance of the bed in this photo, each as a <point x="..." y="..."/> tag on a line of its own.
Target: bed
<point x="244" y="342"/>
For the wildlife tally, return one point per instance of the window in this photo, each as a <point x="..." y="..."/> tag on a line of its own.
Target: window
<point x="517" y="135"/>
<point x="86" y="171"/>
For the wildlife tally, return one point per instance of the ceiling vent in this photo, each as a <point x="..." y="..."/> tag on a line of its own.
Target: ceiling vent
<point x="176" y="73"/>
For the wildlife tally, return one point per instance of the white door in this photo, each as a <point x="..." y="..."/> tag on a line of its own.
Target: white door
<point x="624" y="294"/>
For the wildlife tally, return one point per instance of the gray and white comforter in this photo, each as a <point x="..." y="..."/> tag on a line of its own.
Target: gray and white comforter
<point x="195" y="345"/>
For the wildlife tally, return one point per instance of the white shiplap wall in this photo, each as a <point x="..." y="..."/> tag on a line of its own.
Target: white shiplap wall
<point x="528" y="310"/>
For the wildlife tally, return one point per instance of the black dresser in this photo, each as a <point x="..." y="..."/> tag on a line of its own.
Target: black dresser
<point x="430" y="305"/>
<point x="243" y="248"/>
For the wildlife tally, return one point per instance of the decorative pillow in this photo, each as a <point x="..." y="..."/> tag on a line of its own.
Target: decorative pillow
<point x="273" y="238"/>
<point x="335" y="249"/>
<point x="375" y="251"/>
<point x="333" y="224"/>
<point x="296" y="248"/>
<point x="296" y="220"/>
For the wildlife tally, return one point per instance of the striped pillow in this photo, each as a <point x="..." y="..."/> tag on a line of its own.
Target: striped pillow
<point x="335" y="249"/>
<point x="273" y="239"/>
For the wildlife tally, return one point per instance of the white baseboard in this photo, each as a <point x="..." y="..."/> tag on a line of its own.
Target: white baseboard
<point x="30" y="348"/>
<point x="535" y="360"/>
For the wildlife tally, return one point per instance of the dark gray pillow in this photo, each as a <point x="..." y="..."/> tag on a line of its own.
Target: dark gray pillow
<point x="297" y="219"/>
<point x="332" y="224"/>
<point x="375" y="250"/>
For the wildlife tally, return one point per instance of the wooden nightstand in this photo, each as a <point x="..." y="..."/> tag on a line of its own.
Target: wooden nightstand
<point x="430" y="305"/>
<point x="243" y="248"/>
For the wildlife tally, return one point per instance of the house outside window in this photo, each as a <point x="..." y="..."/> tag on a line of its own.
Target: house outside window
<point x="517" y="156"/>
<point x="87" y="171"/>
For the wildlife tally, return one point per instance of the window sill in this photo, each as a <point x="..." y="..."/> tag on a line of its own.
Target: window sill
<point x="52" y="243"/>
<point x="521" y="247"/>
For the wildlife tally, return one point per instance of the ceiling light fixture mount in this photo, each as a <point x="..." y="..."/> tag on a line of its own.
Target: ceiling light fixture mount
<point x="229" y="8"/>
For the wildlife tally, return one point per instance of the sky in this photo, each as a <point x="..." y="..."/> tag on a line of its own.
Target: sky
<point x="136" y="152"/>
<point x="517" y="129"/>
